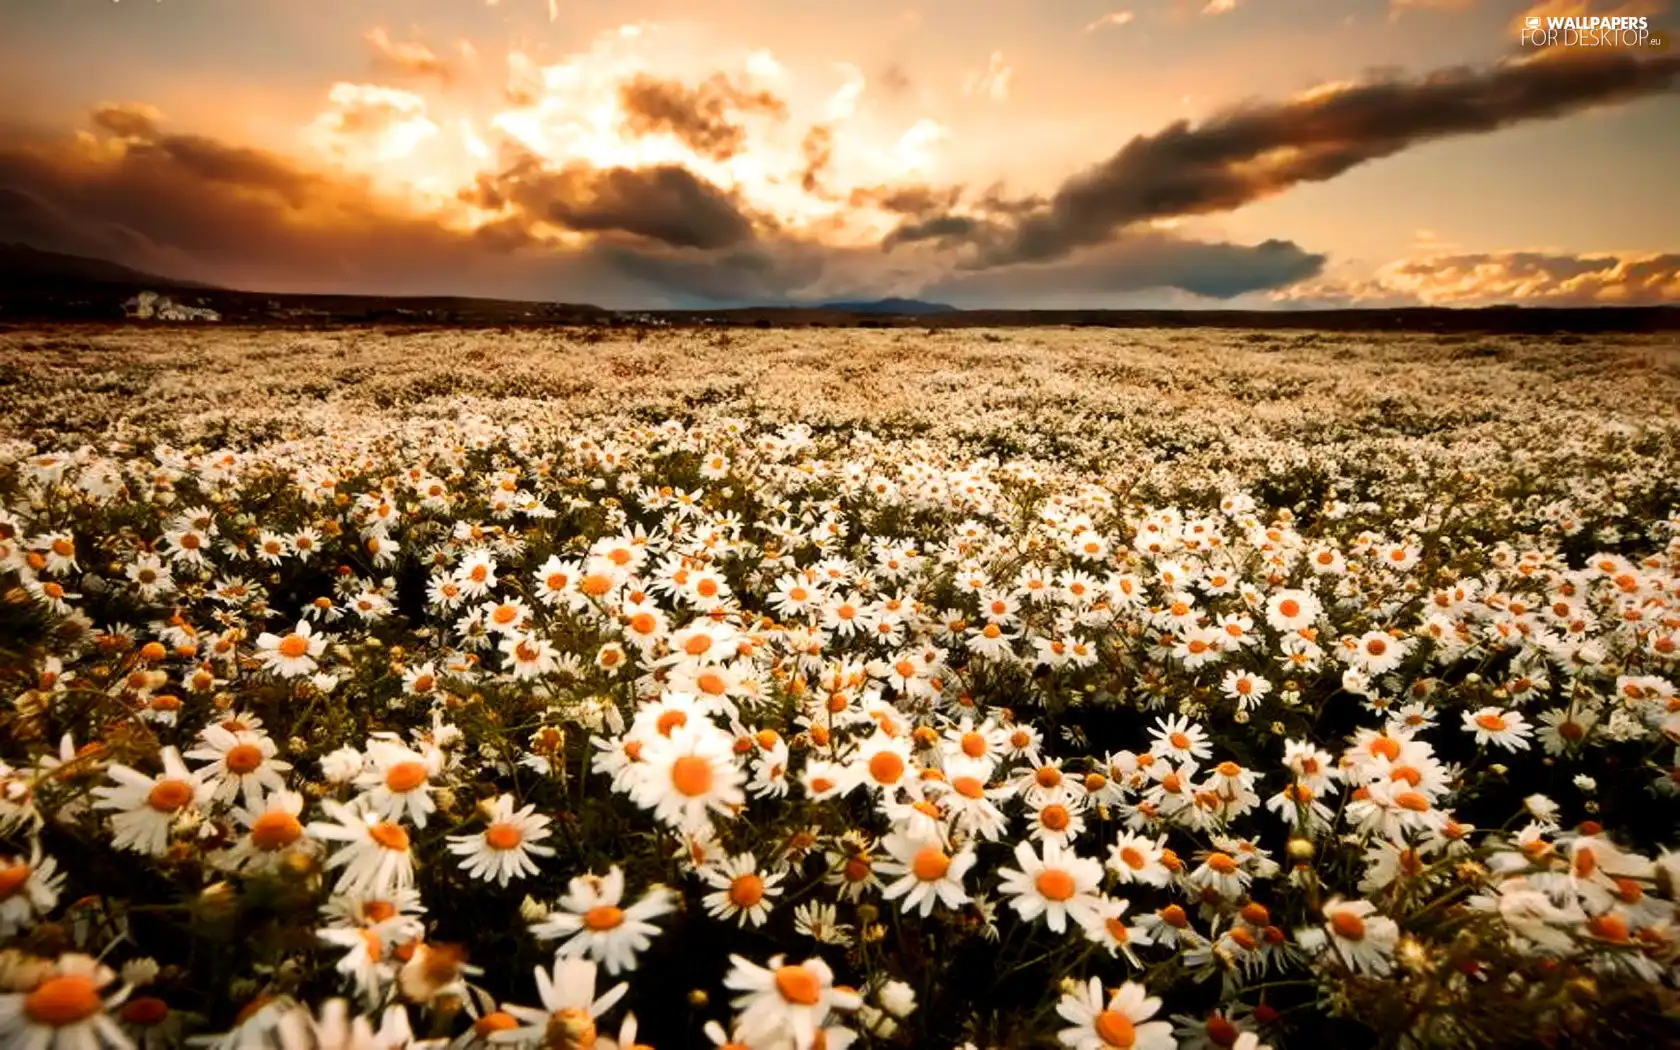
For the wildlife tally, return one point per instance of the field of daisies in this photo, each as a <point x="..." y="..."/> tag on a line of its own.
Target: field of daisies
<point x="803" y="689"/>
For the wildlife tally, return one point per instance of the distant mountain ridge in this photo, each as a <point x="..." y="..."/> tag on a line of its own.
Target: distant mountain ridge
<point x="46" y="286"/>
<point x="21" y="265"/>
<point x="897" y="307"/>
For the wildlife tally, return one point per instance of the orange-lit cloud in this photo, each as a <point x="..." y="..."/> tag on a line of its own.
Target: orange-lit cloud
<point x="637" y="169"/>
<point x="1523" y="278"/>
<point x="1112" y="20"/>
<point x="992" y="82"/>
<point x="406" y="57"/>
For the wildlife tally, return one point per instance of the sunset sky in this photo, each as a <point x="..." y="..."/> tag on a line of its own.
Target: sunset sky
<point x="990" y="152"/>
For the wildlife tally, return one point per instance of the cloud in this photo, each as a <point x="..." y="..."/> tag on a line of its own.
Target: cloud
<point x="698" y="116"/>
<point x="1112" y="20"/>
<point x="893" y="81"/>
<point x="665" y="203"/>
<point x="993" y="83"/>
<point x="1134" y="264"/>
<point x="1259" y="150"/>
<point x="817" y="147"/>
<point x="372" y="123"/>
<point x="129" y="120"/>
<point x="406" y="57"/>
<point x="1524" y="278"/>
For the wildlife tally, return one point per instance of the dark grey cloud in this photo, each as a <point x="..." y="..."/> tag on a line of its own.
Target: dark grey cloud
<point x="701" y="116"/>
<point x="665" y="203"/>
<point x="1261" y="149"/>
<point x="1133" y="264"/>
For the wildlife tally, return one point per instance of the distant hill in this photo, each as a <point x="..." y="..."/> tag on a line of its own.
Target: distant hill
<point x="895" y="307"/>
<point x="22" y="266"/>
<point x="39" y="286"/>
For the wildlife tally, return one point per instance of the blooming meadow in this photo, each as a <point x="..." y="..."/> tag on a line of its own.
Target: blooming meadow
<point x="804" y="689"/>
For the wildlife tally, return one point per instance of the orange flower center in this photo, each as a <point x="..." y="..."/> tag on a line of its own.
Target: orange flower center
<point x="503" y="836"/>
<point x="1289" y="607"/>
<point x="798" y="985"/>
<point x="886" y="767"/>
<point x="1133" y="858"/>
<point x="1348" y="926"/>
<point x="12" y="879"/>
<point x="1115" y="1029"/>
<point x="1055" y="885"/>
<point x="603" y="917"/>
<point x="274" y="830"/>
<point x="293" y="646"/>
<point x="930" y="865"/>
<point x="1222" y="863"/>
<point x="243" y="758"/>
<point x="391" y="836"/>
<point x="1609" y="927"/>
<point x="1412" y="800"/>
<point x="60" y="1001"/>
<point x="1491" y="722"/>
<point x="167" y="796"/>
<point x="405" y="776"/>
<point x="1055" y="817"/>
<point x="489" y="1024"/>
<point x="691" y="776"/>
<point x="746" y="891"/>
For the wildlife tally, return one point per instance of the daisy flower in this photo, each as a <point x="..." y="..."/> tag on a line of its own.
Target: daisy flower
<point x="241" y="763"/>
<point x="883" y="762"/>
<point x="272" y="833"/>
<point x="1292" y="610"/>
<point x="1363" y="941"/>
<point x="294" y="654"/>
<point x="927" y="873"/>
<point x="397" y="781"/>
<point x="1177" y="737"/>
<point x="743" y="892"/>
<point x="1139" y="858"/>
<point x="1497" y="726"/>
<point x="820" y="921"/>
<point x="1220" y="873"/>
<point x="64" y="1010"/>
<point x="375" y="856"/>
<point x="1059" y="886"/>
<point x="1110" y="930"/>
<point x="29" y="889"/>
<point x="1120" y="1021"/>
<point x="785" y="1001"/>
<point x="149" y="806"/>
<point x="688" y="775"/>
<point x="569" y="1011"/>
<point x="503" y="850"/>
<point x="590" y="921"/>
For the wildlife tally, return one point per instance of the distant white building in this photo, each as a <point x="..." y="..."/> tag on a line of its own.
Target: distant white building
<point x="150" y="306"/>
